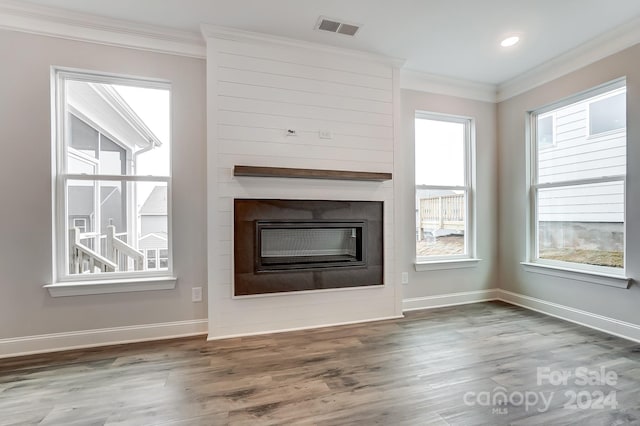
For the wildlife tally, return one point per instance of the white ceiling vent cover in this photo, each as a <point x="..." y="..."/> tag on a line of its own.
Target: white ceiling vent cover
<point x="335" y="26"/>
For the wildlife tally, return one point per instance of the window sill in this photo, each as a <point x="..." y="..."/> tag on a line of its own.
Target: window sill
<point x="437" y="265"/>
<point x="82" y="288"/>
<point x="593" y="277"/>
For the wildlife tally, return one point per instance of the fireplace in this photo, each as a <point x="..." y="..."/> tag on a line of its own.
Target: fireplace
<point x="297" y="245"/>
<point x="283" y="245"/>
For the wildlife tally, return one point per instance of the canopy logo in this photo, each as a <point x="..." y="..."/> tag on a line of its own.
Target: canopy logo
<point x="500" y="400"/>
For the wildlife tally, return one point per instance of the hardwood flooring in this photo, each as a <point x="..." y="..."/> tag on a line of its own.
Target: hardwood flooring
<point x="437" y="367"/>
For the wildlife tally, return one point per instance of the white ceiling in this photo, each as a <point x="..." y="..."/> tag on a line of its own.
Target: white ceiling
<point x="452" y="38"/>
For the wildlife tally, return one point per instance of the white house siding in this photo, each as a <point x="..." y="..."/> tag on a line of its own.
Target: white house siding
<point x="257" y="91"/>
<point x="576" y="155"/>
<point x="153" y="224"/>
<point x="153" y="241"/>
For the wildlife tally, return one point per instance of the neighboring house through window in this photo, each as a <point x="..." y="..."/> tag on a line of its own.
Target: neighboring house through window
<point x="112" y="153"/>
<point x="154" y="228"/>
<point x="578" y="184"/>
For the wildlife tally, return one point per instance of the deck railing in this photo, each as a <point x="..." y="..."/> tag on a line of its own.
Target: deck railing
<point x="442" y="212"/>
<point x="116" y="247"/>
<point x="83" y="259"/>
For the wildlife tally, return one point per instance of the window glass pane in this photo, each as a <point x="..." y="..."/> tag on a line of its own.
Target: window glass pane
<point x="113" y="205"/>
<point x="582" y="224"/>
<point x="440" y="152"/>
<point x="163" y="258"/>
<point x="153" y="221"/>
<point x="78" y="164"/>
<point x="608" y="114"/>
<point x="133" y="213"/>
<point x="81" y="210"/>
<point x="440" y="222"/>
<point x="108" y="133"/>
<point x="545" y="132"/>
<point x="112" y="157"/>
<point x="440" y="161"/>
<point x="83" y="137"/>
<point x="575" y="155"/>
<point x="125" y="128"/>
<point x="152" y="106"/>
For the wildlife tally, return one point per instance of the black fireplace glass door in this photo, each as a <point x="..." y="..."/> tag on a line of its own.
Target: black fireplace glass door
<point x="287" y="245"/>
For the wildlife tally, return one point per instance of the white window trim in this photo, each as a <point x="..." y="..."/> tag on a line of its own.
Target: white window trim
<point x="603" y="275"/>
<point x="106" y="286"/>
<point x="584" y="275"/>
<point x="467" y="260"/>
<point x="446" y="264"/>
<point x="64" y="284"/>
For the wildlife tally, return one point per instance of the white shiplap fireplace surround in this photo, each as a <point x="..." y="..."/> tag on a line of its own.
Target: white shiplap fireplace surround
<point x="258" y="88"/>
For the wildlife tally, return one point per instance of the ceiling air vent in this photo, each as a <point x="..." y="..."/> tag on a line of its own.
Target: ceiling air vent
<point x="335" y="26"/>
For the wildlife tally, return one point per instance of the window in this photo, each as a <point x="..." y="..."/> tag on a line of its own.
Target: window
<point x="112" y="153"/>
<point x="443" y="187"/>
<point x="546" y="131"/>
<point x="163" y="258"/>
<point x="157" y="259"/>
<point x="578" y="185"/>
<point x="608" y="113"/>
<point x="151" y="259"/>
<point x="80" y="224"/>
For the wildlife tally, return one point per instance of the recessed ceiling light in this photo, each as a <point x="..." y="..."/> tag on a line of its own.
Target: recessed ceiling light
<point x="510" y="41"/>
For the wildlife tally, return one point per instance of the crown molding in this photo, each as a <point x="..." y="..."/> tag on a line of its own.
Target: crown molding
<point x="210" y="31"/>
<point x="54" y="22"/>
<point x="592" y="51"/>
<point x="424" y="82"/>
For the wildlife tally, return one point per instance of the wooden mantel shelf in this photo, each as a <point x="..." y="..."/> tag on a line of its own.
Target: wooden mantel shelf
<point x="284" y="172"/>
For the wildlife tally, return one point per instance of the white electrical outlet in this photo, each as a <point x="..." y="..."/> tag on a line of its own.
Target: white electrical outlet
<point x="325" y="134"/>
<point x="196" y="294"/>
<point x="405" y="278"/>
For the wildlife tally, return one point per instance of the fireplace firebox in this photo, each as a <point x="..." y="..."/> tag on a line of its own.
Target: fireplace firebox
<point x="296" y="245"/>
<point x="283" y="245"/>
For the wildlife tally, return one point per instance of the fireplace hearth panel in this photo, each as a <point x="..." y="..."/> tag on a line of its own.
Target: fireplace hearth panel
<point x="297" y="245"/>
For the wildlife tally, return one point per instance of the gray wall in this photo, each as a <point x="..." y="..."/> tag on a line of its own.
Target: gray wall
<point x="25" y="186"/>
<point x="484" y="275"/>
<point x="608" y="301"/>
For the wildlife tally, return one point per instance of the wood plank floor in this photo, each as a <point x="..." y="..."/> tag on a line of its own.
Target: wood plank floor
<point x="437" y="367"/>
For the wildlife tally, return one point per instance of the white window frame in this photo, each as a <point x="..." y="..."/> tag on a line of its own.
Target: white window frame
<point x="66" y="284"/>
<point x="468" y="259"/>
<point x="579" y="271"/>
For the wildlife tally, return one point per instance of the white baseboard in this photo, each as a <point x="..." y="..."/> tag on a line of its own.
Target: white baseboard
<point x="140" y="333"/>
<point x="608" y="325"/>
<point x="101" y="337"/>
<point x="287" y="330"/>
<point x="451" y="299"/>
